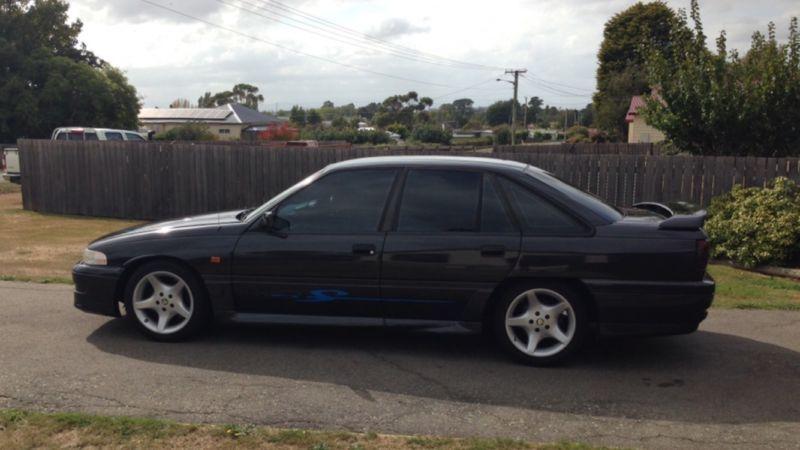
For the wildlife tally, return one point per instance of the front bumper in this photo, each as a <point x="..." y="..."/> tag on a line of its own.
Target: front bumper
<point x="96" y="289"/>
<point x="650" y="308"/>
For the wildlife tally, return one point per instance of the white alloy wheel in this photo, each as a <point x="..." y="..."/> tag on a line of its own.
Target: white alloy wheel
<point x="540" y="322"/>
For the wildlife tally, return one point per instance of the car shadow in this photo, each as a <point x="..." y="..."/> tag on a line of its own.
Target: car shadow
<point x="704" y="377"/>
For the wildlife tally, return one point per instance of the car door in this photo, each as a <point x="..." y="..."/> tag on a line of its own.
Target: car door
<point x="324" y="258"/>
<point x="453" y="240"/>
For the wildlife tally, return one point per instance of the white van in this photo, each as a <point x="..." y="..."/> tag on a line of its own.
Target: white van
<point x="96" y="134"/>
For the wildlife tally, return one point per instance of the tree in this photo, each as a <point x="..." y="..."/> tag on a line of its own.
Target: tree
<point x="327" y="104"/>
<point x="718" y="103"/>
<point x="402" y="109"/>
<point x="499" y="113"/>
<point x="368" y="111"/>
<point x="534" y="109"/>
<point x="297" y="116"/>
<point x="313" y="117"/>
<point x="247" y="94"/>
<point x="48" y="79"/>
<point x="243" y="93"/>
<point x="628" y="38"/>
<point x="462" y="111"/>
<point x="180" y="103"/>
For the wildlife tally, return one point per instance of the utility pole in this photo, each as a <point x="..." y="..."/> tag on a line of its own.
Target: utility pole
<point x="516" y="73"/>
<point x="525" y="114"/>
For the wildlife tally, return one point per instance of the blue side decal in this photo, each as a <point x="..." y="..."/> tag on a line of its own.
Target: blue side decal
<point x="330" y="295"/>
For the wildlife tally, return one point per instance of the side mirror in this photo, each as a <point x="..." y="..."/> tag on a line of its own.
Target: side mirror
<point x="273" y="224"/>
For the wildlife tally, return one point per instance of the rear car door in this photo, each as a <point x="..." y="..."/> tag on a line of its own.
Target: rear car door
<point x="452" y="241"/>
<point x="325" y="259"/>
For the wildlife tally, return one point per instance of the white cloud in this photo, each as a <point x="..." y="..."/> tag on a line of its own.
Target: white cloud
<point x="168" y="56"/>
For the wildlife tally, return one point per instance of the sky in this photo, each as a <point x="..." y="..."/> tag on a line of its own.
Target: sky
<point x="303" y="52"/>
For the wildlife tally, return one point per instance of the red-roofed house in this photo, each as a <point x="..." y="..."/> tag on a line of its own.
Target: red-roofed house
<point x="638" y="129"/>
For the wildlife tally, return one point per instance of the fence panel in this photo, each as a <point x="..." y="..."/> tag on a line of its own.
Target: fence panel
<point x="161" y="180"/>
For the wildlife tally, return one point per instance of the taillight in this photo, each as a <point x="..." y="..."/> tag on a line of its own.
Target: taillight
<point x="702" y="248"/>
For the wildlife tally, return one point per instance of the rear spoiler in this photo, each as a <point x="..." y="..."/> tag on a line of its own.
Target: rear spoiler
<point x="684" y="222"/>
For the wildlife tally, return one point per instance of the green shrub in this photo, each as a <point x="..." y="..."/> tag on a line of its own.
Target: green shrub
<point x="476" y="141"/>
<point x="400" y="129"/>
<point x="502" y="135"/>
<point x="754" y="226"/>
<point x="187" y="132"/>
<point x="431" y="134"/>
<point x="350" y="135"/>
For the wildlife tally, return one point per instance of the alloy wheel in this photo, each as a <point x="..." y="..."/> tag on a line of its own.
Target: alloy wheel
<point x="540" y="322"/>
<point x="162" y="302"/>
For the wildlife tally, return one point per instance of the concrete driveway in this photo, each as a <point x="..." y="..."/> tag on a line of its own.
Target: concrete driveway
<point x="736" y="383"/>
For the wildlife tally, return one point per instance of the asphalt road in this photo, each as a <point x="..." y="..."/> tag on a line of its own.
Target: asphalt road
<point x="734" y="384"/>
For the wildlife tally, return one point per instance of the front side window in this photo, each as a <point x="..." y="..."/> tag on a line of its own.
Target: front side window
<point x="494" y="217"/>
<point x="75" y="136"/>
<point x="538" y="215"/>
<point x="113" y="136"/>
<point x="440" y="201"/>
<point x="61" y="136"/>
<point x="90" y="136"/>
<point x="133" y="137"/>
<point x="342" y="202"/>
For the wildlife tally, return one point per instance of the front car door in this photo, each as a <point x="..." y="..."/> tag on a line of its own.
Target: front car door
<point x="325" y="260"/>
<point x="452" y="241"/>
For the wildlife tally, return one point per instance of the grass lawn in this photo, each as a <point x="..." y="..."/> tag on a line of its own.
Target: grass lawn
<point x="43" y="248"/>
<point x="21" y="429"/>
<point x="741" y="289"/>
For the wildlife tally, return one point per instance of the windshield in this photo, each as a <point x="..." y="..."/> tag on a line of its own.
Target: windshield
<point x="248" y="214"/>
<point x="577" y="195"/>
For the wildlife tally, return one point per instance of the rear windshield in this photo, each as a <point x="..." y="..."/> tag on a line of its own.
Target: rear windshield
<point x="586" y="199"/>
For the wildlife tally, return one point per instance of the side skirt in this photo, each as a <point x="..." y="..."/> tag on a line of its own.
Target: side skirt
<point x="345" y="321"/>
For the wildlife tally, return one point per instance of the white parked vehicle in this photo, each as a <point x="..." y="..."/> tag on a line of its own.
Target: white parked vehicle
<point x="96" y="134"/>
<point x="12" y="164"/>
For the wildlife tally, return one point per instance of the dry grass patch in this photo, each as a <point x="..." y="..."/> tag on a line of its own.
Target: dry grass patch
<point x="22" y="429"/>
<point x="44" y="247"/>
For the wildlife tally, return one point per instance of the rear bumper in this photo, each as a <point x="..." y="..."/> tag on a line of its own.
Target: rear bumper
<point x="650" y="308"/>
<point x="96" y="289"/>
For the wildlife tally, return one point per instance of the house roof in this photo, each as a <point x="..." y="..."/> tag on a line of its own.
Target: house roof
<point x="637" y="101"/>
<point x="230" y="113"/>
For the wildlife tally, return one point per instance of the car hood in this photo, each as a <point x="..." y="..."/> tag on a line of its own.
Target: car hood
<point x="205" y="223"/>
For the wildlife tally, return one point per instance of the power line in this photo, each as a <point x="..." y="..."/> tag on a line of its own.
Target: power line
<point x="463" y="89"/>
<point x="330" y="24"/>
<point x="283" y="47"/>
<point x="322" y="32"/>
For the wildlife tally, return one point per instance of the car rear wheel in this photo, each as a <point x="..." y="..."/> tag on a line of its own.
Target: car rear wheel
<point x="166" y="301"/>
<point x="540" y="324"/>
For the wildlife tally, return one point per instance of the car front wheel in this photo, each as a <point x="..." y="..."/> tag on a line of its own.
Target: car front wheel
<point x="541" y="324"/>
<point x="166" y="301"/>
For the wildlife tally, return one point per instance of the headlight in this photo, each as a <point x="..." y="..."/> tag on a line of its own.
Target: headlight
<point x="94" y="258"/>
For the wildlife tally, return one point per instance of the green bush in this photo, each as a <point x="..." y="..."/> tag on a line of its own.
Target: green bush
<point x="476" y="141"/>
<point x="502" y="135"/>
<point x="431" y="134"/>
<point x="187" y="132"/>
<point x="754" y="226"/>
<point x="350" y="135"/>
<point x="400" y="129"/>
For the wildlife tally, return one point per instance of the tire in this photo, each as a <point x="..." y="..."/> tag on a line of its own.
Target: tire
<point x="552" y="313"/>
<point x="167" y="302"/>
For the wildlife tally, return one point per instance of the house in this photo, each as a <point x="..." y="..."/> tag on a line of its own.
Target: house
<point x="226" y="122"/>
<point x="638" y="130"/>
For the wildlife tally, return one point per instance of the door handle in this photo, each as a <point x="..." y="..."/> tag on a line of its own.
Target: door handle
<point x="493" y="250"/>
<point x="363" y="249"/>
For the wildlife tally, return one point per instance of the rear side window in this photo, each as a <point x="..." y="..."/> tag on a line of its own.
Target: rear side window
<point x="113" y="136"/>
<point x="538" y="215"/>
<point x="440" y="201"/>
<point x="133" y="137"/>
<point x="494" y="217"/>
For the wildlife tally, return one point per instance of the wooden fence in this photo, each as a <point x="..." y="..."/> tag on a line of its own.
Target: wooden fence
<point x="154" y="181"/>
<point x="583" y="149"/>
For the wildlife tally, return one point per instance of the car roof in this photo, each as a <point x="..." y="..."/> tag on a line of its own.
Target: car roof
<point x="91" y="129"/>
<point x="430" y="161"/>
